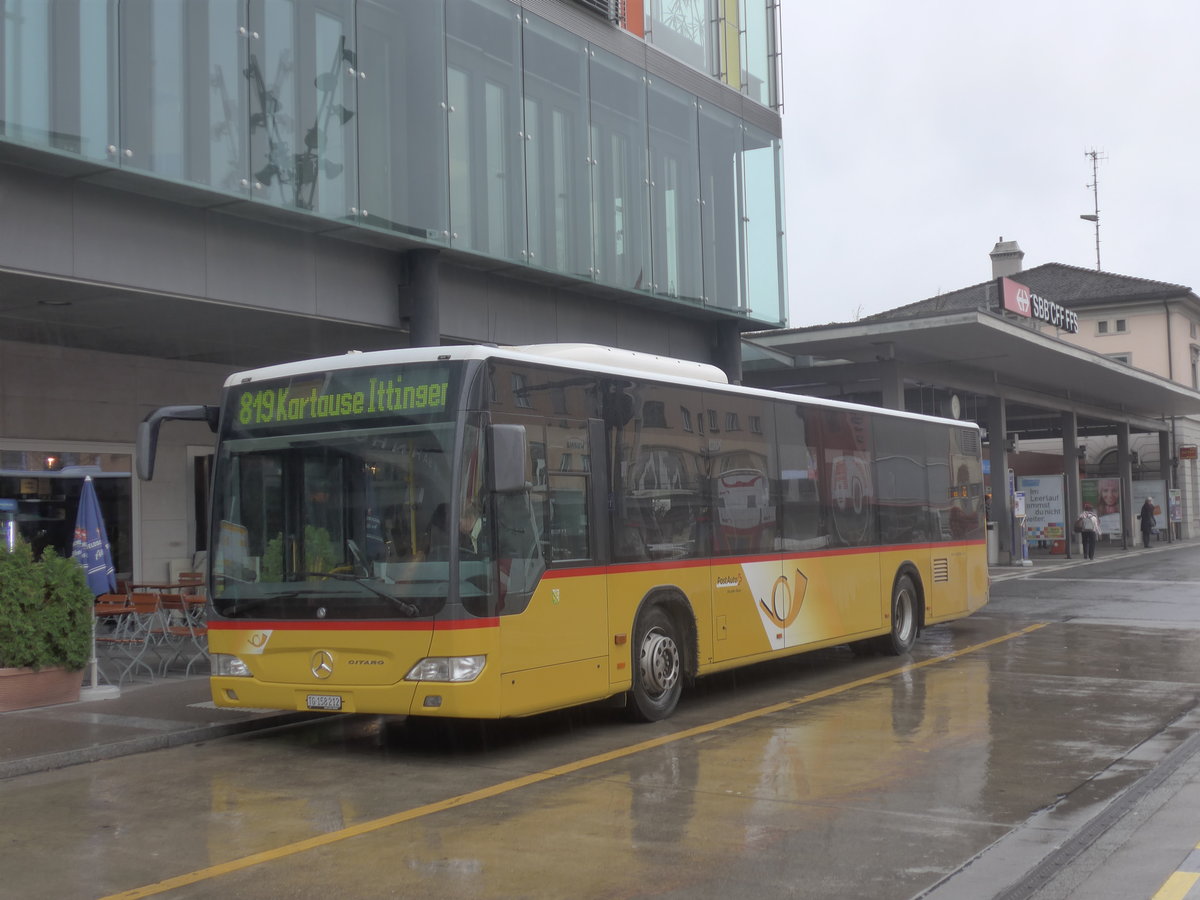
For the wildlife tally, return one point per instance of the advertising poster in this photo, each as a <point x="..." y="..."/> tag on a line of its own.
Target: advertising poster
<point x="1105" y="496"/>
<point x="1175" y="503"/>
<point x="1044" y="518"/>
<point x="1157" y="490"/>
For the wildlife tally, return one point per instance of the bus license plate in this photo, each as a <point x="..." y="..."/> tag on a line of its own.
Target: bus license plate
<point x="324" y="701"/>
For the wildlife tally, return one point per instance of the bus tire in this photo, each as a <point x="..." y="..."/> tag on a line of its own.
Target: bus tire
<point x="657" y="666"/>
<point x="904" y="629"/>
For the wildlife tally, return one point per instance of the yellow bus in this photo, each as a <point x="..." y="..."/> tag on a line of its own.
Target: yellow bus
<point x="489" y="532"/>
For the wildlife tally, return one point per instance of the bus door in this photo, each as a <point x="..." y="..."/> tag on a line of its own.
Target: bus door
<point x="555" y="636"/>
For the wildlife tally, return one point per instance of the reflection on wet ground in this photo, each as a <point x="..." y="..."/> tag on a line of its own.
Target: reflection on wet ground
<point x="865" y="778"/>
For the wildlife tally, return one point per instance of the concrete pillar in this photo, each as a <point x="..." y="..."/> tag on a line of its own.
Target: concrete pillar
<point x="727" y="338"/>
<point x="997" y="429"/>
<point x="1070" y="453"/>
<point x="1166" y="469"/>
<point x="1125" y="471"/>
<point x="891" y="384"/>
<point x="425" y="324"/>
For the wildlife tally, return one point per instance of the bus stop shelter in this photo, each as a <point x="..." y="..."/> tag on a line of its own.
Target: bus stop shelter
<point x="1018" y="383"/>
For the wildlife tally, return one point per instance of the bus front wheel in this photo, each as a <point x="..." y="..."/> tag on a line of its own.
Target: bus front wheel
<point x="904" y="619"/>
<point x="657" y="666"/>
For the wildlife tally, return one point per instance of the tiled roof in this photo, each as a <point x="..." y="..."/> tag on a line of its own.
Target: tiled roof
<point x="1070" y="286"/>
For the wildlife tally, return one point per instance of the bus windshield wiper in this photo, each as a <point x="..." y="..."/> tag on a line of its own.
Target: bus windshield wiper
<point x="409" y="609"/>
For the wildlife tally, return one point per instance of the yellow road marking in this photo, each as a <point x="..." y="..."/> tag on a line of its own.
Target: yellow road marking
<point x="514" y="784"/>
<point x="1177" y="886"/>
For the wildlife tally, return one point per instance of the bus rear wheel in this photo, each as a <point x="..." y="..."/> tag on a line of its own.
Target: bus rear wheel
<point x="657" y="666"/>
<point x="904" y="619"/>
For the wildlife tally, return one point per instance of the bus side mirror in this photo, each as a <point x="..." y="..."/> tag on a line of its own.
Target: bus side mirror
<point x="508" y="455"/>
<point x="147" y="434"/>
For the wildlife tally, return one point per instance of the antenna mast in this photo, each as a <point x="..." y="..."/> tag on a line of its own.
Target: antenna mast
<point x="1095" y="156"/>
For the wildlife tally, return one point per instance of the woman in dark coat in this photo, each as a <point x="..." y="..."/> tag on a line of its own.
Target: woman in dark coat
<point x="1146" y="519"/>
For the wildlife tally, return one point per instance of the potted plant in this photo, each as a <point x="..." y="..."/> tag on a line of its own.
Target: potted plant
<point x="45" y="628"/>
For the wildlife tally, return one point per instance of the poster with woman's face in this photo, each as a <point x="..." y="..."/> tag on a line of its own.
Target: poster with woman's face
<point x="1104" y="494"/>
<point x="1109" y="501"/>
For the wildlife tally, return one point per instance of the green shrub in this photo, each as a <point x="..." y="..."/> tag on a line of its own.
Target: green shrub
<point x="45" y="611"/>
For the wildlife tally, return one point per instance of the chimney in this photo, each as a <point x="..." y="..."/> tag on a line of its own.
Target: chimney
<point x="1006" y="258"/>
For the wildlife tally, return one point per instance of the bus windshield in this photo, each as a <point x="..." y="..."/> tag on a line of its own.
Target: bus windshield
<point x="317" y="518"/>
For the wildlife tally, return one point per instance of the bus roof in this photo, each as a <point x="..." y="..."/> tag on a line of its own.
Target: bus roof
<point x="593" y="357"/>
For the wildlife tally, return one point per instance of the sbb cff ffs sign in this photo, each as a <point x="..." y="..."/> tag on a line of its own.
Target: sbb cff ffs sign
<point x="1017" y="298"/>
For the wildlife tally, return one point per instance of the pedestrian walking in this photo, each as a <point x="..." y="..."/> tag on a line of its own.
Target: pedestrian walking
<point x="1088" y="528"/>
<point x="1146" y="520"/>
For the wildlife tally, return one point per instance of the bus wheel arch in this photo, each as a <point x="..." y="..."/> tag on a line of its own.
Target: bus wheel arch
<point x="663" y="654"/>
<point x="906" y="612"/>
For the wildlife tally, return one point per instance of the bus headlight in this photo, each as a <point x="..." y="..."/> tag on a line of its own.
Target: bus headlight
<point x="447" y="668"/>
<point x="228" y="665"/>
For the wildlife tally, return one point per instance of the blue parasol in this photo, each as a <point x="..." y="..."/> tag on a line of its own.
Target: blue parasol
<point x="91" y="548"/>
<point x="92" y="551"/>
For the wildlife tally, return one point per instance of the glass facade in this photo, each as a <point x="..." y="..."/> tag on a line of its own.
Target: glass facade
<point x="465" y="123"/>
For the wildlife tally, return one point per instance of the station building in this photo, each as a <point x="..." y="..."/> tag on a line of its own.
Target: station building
<point x="188" y="189"/>
<point x="1077" y="374"/>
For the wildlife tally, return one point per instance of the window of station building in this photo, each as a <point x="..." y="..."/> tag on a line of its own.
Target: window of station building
<point x="401" y="118"/>
<point x="486" y="131"/>
<point x="620" y="179"/>
<point x="556" y="148"/>
<point x="720" y="155"/>
<point x="1120" y="326"/>
<point x="1102" y="327"/>
<point x="46" y="485"/>
<point x="682" y="28"/>
<point x="674" y="193"/>
<point x="762" y="240"/>
<point x="1126" y="358"/>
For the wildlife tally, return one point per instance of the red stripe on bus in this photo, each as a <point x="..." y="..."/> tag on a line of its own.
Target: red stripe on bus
<point x="363" y="625"/>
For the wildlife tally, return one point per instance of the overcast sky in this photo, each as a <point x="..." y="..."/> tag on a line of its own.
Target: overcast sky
<point x="917" y="134"/>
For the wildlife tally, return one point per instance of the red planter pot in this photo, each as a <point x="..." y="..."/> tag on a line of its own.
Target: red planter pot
<point x="25" y="688"/>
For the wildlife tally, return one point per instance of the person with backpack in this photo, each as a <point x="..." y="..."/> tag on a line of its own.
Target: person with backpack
<point x="1088" y="528"/>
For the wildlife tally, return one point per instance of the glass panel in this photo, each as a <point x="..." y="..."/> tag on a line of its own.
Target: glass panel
<point x="487" y="146"/>
<point x="569" y="534"/>
<point x="659" y="481"/>
<point x="183" y="94"/>
<point x="402" y="117"/>
<point x="56" y="75"/>
<point x="744" y="504"/>
<point x="720" y="152"/>
<point x="728" y="39"/>
<point x="674" y="192"/>
<point x="682" y="29"/>
<point x="900" y="482"/>
<point x="847" y="489"/>
<point x="221" y="115"/>
<point x="25" y="114"/>
<point x="620" y="175"/>
<point x="556" y="149"/>
<point x="303" y="75"/>
<point x="757" y="72"/>
<point x="799" y="485"/>
<point x="94" y="95"/>
<point x="762" y="222"/>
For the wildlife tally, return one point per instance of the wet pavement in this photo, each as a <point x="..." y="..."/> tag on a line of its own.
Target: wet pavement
<point x="1150" y="830"/>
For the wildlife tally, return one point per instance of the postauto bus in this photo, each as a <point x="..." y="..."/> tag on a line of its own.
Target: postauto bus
<point x="486" y="532"/>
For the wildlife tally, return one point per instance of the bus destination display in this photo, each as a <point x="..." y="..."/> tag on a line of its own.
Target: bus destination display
<point x="342" y="396"/>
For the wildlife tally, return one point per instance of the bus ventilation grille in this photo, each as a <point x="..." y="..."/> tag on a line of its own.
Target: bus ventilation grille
<point x="941" y="571"/>
<point x="968" y="441"/>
